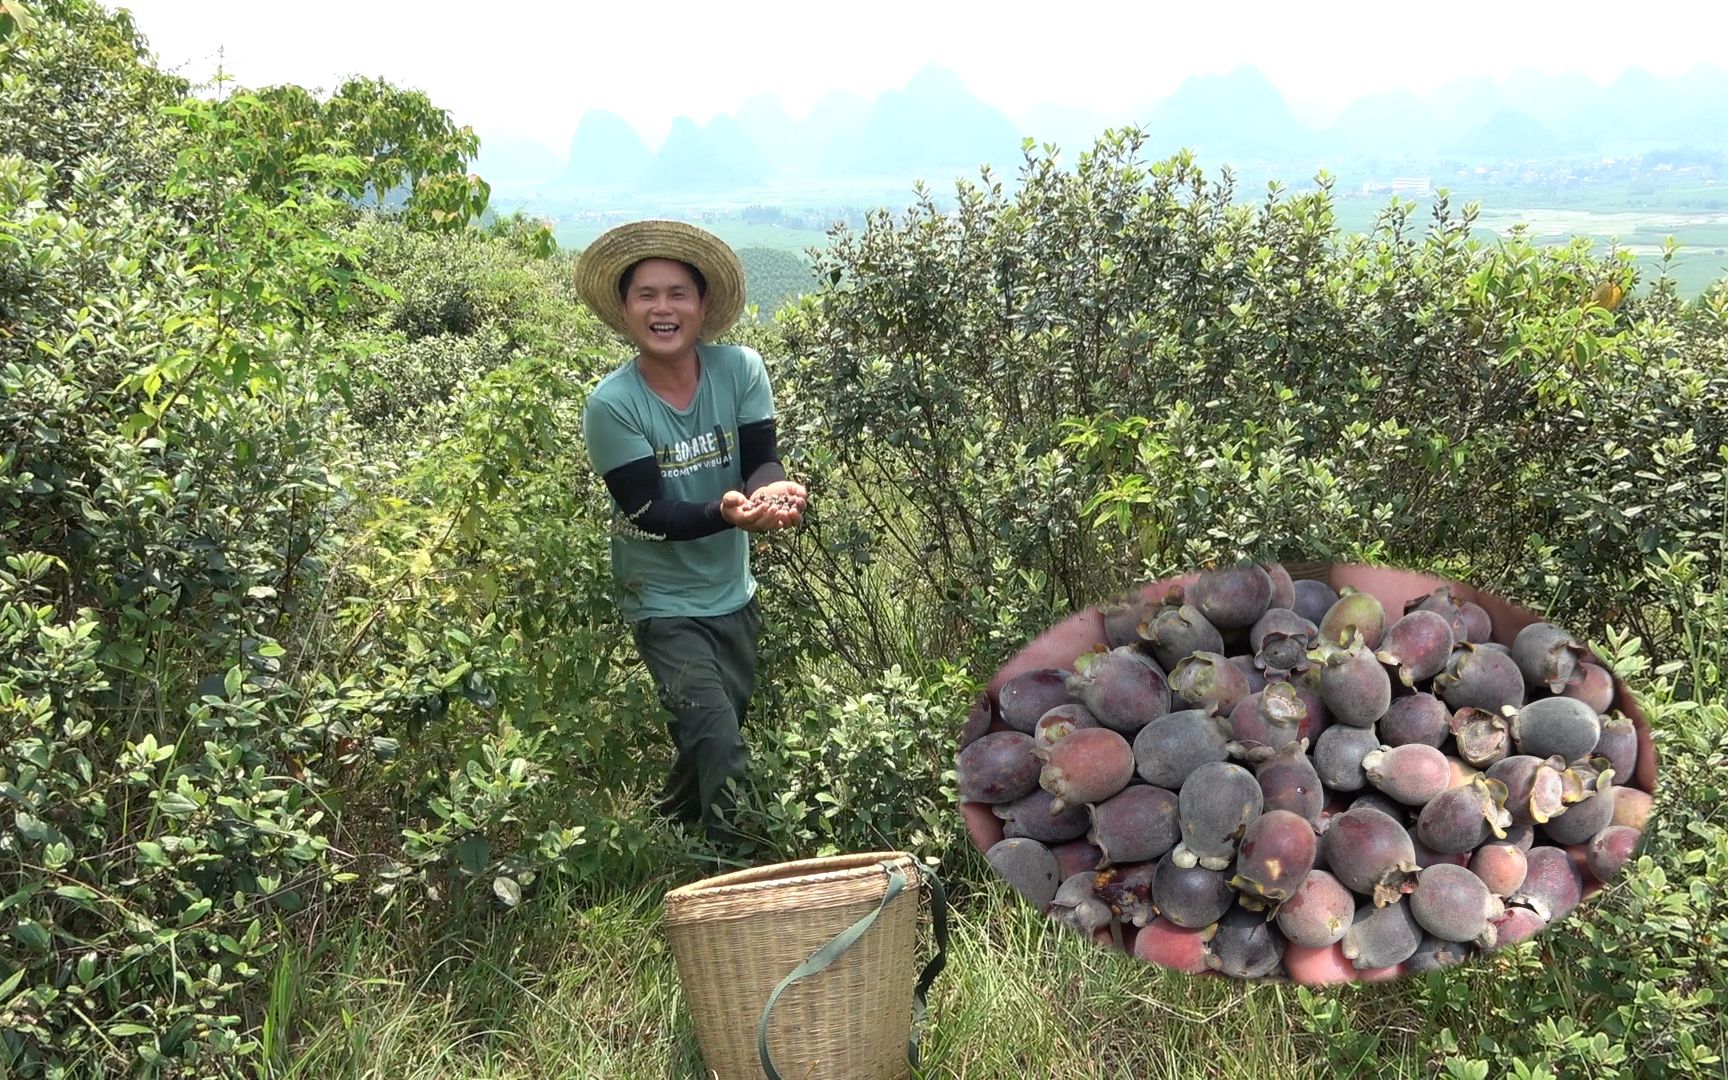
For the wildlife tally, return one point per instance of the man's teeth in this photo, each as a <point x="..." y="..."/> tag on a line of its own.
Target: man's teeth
<point x="663" y="328"/>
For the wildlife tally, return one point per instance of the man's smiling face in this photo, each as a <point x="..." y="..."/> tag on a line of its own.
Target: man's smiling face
<point x="664" y="309"/>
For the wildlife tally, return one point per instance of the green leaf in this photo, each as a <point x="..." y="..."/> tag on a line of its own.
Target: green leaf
<point x="34" y="829"/>
<point x="15" y="18"/>
<point x="11" y="984"/>
<point x="507" y="890"/>
<point x="150" y="852"/>
<point x="473" y="853"/>
<point x="33" y="934"/>
<point x="75" y="892"/>
<point x="20" y="896"/>
<point x="197" y="911"/>
<point x="452" y="676"/>
<point x="123" y="1030"/>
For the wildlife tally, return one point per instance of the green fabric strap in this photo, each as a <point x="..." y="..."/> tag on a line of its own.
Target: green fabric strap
<point x="938" y="912"/>
<point x="827" y="954"/>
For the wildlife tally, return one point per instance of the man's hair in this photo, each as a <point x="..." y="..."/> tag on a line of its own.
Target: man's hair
<point x="630" y="272"/>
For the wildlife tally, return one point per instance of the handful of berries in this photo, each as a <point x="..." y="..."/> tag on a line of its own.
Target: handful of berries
<point x="777" y="501"/>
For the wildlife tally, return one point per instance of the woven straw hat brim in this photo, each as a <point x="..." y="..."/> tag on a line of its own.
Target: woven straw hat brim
<point x="606" y="259"/>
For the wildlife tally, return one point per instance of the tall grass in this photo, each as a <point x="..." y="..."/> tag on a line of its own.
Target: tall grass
<point x="579" y="981"/>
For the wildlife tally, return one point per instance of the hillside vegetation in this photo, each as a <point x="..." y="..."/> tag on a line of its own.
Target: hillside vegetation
<point x="773" y="277"/>
<point x="324" y="753"/>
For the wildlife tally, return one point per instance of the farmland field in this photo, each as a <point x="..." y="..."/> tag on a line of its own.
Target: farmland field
<point x="1701" y="236"/>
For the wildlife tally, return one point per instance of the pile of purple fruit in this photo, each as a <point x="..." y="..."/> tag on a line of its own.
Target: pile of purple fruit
<point x="1267" y="778"/>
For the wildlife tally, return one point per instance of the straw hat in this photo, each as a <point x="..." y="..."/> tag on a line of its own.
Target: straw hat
<point x="606" y="259"/>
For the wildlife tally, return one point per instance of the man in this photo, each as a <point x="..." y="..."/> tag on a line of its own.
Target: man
<point x="683" y="435"/>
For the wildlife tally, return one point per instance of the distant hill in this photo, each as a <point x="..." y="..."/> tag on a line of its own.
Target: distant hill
<point x="719" y="157"/>
<point x="1394" y="126"/>
<point x="1068" y="126"/>
<point x="605" y="152"/>
<point x="1703" y="96"/>
<point x="1233" y="116"/>
<point x="1508" y="135"/>
<point x="1551" y="100"/>
<point x="516" y="159"/>
<point x="837" y="119"/>
<point x="933" y="124"/>
<point x="1464" y="105"/>
<point x="1638" y="110"/>
<point x="771" y="129"/>
<point x="935" y="127"/>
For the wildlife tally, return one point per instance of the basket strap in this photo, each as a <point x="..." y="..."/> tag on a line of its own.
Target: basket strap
<point x="827" y="954"/>
<point x="939" y="913"/>
<point x="819" y="961"/>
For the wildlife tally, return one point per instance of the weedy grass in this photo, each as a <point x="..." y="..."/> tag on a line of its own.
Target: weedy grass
<point x="581" y="983"/>
<point x="577" y="988"/>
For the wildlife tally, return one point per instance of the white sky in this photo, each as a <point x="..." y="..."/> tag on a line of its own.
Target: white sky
<point x="533" y="68"/>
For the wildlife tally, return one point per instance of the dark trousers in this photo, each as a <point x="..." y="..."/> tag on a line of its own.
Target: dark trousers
<point x="704" y="669"/>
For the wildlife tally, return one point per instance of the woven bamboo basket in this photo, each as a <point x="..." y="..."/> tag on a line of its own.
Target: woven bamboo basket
<point x="736" y="936"/>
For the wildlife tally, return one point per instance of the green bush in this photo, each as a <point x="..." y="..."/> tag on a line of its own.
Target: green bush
<point x="450" y="308"/>
<point x="398" y="379"/>
<point x="162" y="530"/>
<point x="71" y="91"/>
<point x="443" y="284"/>
<point x="840" y="772"/>
<point x="1117" y="372"/>
<point x="205" y="656"/>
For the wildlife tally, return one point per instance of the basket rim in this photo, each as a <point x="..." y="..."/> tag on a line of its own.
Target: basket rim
<point x="815" y="871"/>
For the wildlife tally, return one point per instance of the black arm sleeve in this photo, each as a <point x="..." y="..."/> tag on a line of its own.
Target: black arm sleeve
<point x="636" y="488"/>
<point x="758" y="458"/>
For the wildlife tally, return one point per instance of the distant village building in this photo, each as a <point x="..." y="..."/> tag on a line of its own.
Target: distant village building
<point x="1403" y="185"/>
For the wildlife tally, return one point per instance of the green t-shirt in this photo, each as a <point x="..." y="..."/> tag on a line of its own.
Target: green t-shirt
<point x="697" y="448"/>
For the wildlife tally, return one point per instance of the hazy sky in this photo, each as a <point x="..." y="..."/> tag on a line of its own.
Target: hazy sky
<point x="533" y="68"/>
